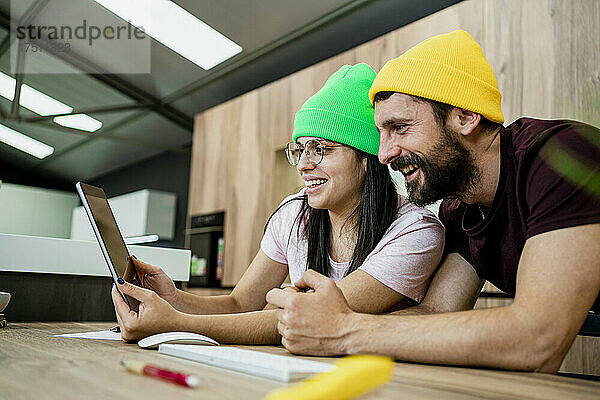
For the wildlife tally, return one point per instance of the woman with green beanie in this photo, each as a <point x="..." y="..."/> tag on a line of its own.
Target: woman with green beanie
<point x="348" y="223"/>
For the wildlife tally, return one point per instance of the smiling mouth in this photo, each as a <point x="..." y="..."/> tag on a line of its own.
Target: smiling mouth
<point x="313" y="183"/>
<point x="409" y="170"/>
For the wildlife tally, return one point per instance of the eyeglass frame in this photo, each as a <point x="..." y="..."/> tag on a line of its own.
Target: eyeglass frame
<point x="308" y="157"/>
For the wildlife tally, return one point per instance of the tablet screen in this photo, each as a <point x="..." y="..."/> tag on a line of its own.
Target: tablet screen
<point x="110" y="239"/>
<point x="110" y="233"/>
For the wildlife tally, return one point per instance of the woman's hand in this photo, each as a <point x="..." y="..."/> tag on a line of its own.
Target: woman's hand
<point x="314" y="322"/>
<point x="155" y="315"/>
<point x="154" y="278"/>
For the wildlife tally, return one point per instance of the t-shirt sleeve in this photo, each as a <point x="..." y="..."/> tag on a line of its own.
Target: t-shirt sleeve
<point x="408" y="257"/>
<point x="276" y="238"/>
<point x="563" y="181"/>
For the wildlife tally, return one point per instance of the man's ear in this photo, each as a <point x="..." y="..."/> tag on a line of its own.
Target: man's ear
<point x="463" y="121"/>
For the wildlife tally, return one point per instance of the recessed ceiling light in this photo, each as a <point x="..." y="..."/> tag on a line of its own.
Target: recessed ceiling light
<point x="7" y="86"/>
<point x="42" y="104"/>
<point x="177" y="29"/>
<point x="24" y="143"/>
<point x="79" y="121"/>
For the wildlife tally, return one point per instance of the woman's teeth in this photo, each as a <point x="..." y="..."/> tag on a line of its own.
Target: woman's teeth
<point x="409" y="169"/>
<point x="314" y="182"/>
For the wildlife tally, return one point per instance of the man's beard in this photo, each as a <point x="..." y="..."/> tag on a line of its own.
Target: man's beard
<point x="448" y="170"/>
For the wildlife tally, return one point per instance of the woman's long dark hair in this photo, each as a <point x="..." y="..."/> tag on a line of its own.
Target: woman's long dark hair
<point x="374" y="214"/>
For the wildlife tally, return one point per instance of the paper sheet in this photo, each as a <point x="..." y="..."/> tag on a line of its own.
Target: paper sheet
<point x="103" y="335"/>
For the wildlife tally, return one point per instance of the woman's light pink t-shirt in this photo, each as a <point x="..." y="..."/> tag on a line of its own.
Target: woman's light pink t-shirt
<point x="404" y="259"/>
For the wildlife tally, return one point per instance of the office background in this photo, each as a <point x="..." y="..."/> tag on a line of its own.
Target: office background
<point x="545" y="55"/>
<point x="149" y="144"/>
<point x="215" y="138"/>
<point x="182" y="119"/>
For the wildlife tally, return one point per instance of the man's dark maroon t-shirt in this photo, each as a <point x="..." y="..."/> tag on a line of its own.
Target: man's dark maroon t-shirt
<point x="549" y="179"/>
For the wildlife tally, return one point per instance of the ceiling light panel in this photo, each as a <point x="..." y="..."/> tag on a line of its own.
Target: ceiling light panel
<point x="177" y="29"/>
<point x="7" y="86"/>
<point x="82" y="122"/>
<point x="24" y="143"/>
<point x="42" y="104"/>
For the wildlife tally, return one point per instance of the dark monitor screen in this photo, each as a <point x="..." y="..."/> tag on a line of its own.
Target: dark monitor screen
<point x="109" y="231"/>
<point x="109" y="237"/>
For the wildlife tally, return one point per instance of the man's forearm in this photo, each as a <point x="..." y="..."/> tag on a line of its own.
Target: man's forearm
<point x="498" y="338"/>
<point x="257" y="327"/>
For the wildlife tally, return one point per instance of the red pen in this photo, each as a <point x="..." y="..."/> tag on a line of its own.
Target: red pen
<point x="141" y="368"/>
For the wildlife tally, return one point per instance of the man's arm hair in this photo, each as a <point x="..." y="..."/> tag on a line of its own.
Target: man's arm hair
<point x="558" y="280"/>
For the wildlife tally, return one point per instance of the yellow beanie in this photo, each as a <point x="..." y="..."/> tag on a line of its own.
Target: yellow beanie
<point x="449" y="68"/>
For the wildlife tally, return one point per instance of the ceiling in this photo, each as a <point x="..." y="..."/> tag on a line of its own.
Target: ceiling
<point x="147" y="114"/>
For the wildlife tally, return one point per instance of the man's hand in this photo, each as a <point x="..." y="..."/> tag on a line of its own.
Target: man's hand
<point x="153" y="278"/>
<point x="316" y="322"/>
<point x="155" y="314"/>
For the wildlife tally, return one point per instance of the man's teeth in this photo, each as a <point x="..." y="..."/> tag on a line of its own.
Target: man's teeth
<point x="314" y="182"/>
<point x="409" y="169"/>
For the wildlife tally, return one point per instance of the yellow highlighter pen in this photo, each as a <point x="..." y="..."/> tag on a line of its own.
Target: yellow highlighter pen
<point x="354" y="376"/>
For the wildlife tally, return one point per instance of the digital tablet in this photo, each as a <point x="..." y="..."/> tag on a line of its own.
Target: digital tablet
<point x="109" y="237"/>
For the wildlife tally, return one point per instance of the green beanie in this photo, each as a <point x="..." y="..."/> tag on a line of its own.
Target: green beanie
<point x="341" y="110"/>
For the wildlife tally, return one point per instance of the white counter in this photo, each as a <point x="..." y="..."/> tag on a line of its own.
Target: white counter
<point x="19" y="253"/>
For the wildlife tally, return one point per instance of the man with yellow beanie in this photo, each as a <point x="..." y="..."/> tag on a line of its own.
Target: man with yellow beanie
<point x="521" y="206"/>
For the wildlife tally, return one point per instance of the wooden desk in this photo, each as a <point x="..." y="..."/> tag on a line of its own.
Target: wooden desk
<point x="36" y="365"/>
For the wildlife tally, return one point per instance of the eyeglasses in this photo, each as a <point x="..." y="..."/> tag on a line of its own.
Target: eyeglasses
<point x="312" y="149"/>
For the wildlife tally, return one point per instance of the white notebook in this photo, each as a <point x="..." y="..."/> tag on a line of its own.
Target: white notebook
<point x="271" y="366"/>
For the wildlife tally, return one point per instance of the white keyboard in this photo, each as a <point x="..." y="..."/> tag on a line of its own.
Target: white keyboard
<point x="271" y="366"/>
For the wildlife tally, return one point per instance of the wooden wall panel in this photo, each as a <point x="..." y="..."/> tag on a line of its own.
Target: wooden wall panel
<point x="209" y="161"/>
<point x="275" y="112"/>
<point x="197" y="167"/>
<point x="465" y="15"/>
<point x="245" y="185"/>
<point x="546" y="55"/>
<point x="577" y="75"/>
<point x="583" y="356"/>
